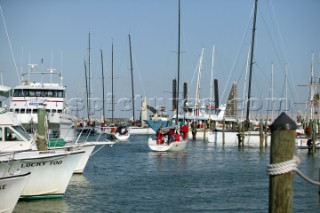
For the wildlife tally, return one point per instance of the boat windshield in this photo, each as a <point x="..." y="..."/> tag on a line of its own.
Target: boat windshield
<point x="22" y="132"/>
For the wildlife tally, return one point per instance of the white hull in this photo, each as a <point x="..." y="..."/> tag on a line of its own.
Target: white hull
<point x="114" y="135"/>
<point x="231" y="138"/>
<point x="121" y="137"/>
<point x="87" y="147"/>
<point x="175" y="146"/>
<point x="141" y="130"/>
<point x="302" y="143"/>
<point x="51" y="171"/>
<point x="11" y="187"/>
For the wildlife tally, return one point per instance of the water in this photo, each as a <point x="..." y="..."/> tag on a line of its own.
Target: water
<point x="128" y="177"/>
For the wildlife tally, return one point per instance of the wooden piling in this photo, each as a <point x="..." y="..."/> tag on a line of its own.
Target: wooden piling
<point x="282" y="149"/>
<point x="223" y="130"/>
<point x="261" y="133"/>
<point x="41" y="139"/>
<point x="204" y="131"/>
<point x="266" y="134"/>
<point x="314" y="137"/>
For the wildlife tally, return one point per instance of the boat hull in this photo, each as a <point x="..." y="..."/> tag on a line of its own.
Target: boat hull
<point x="231" y="138"/>
<point x="175" y="146"/>
<point x="11" y="187"/>
<point x="51" y="171"/>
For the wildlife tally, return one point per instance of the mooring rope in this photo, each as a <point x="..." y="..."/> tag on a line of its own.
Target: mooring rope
<point x="288" y="166"/>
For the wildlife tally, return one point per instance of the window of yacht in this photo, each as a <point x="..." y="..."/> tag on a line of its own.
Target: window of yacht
<point x="10" y="135"/>
<point x="22" y="132"/>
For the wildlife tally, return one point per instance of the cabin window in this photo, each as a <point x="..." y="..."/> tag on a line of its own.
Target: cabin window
<point x="22" y="111"/>
<point x="22" y="132"/>
<point x="11" y="135"/>
<point x="1" y="134"/>
<point x="38" y="93"/>
<point x="28" y="111"/>
<point x="59" y="110"/>
<point x="54" y="111"/>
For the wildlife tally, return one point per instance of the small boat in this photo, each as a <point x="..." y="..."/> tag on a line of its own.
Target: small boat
<point x="120" y="133"/>
<point x="11" y="186"/>
<point x="174" y="146"/>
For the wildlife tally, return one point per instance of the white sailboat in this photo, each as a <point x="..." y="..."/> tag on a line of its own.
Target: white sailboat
<point x="175" y="145"/>
<point x="119" y="133"/>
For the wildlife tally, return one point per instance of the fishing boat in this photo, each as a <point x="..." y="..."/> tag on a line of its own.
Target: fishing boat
<point x="29" y="95"/>
<point x="11" y="186"/>
<point x="51" y="171"/>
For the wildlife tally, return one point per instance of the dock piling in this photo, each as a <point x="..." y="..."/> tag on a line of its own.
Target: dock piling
<point x="282" y="149"/>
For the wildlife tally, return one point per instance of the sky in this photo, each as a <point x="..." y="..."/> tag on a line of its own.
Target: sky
<point x="55" y="34"/>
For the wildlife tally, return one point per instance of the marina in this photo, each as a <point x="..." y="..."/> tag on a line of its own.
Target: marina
<point x="205" y="177"/>
<point x="159" y="125"/>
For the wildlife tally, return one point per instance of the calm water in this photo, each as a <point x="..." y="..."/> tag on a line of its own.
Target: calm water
<point x="205" y="178"/>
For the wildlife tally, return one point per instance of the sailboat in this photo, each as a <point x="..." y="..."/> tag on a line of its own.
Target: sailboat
<point x="251" y="137"/>
<point x="173" y="144"/>
<point x="120" y="132"/>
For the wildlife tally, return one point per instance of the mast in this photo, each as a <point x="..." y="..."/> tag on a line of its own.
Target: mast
<point x="89" y="76"/>
<point x="211" y="80"/>
<point x="251" y="62"/>
<point x="199" y="83"/>
<point x="103" y="104"/>
<point x="178" y="83"/>
<point x="132" y="86"/>
<point x="85" y="74"/>
<point x="112" y="97"/>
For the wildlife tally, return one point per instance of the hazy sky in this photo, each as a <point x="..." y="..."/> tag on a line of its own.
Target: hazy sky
<point x="57" y="31"/>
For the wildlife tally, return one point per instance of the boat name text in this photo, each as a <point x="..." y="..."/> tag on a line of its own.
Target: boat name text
<point x="35" y="164"/>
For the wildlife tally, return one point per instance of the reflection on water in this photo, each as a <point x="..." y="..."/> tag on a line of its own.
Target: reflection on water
<point x="43" y="205"/>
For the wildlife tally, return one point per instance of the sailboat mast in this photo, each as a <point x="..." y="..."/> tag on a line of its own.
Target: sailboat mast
<point x="89" y="76"/>
<point x="211" y="79"/>
<point x="112" y="97"/>
<point x="251" y="61"/>
<point x="86" y="77"/>
<point x="132" y="86"/>
<point x="178" y="83"/>
<point x="103" y="104"/>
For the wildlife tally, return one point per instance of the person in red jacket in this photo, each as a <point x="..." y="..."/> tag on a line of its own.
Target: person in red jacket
<point x="177" y="136"/>
<point x="159" y="136"/>
<point x="184" y="131"/>
<point x="170" y="136"/>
